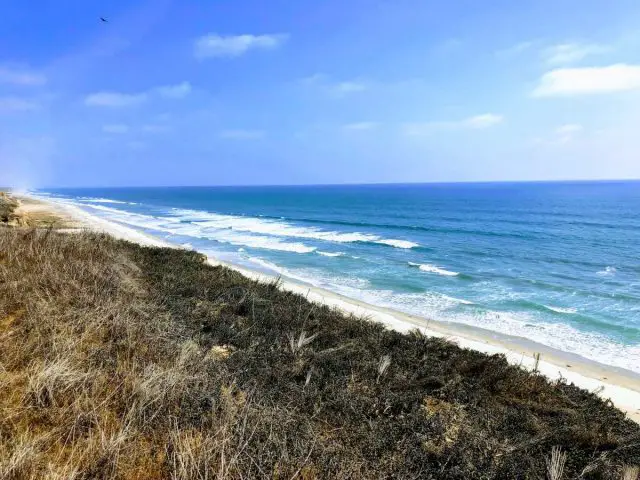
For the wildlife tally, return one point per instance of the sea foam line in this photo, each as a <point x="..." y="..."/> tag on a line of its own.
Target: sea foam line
<point x="174" y="226"/>
<point x="283" y="229"/>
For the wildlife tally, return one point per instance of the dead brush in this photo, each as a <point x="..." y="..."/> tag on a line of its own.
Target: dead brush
<point x="383" y="365"/>
<point x="555" y="464"/>
<point x="631" y="473"/>
<point x="298" y="343"/>
<point x="50" y="383"/>
<point x="192" y="455"/>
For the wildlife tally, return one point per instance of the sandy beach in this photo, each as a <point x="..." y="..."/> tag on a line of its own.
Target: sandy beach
<point x="621" y="386"/>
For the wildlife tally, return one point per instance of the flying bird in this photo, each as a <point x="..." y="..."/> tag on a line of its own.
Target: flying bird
<point x="104" y="19"/>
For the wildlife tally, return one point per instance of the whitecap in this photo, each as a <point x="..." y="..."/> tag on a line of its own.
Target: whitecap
<point x="459" y="300"/>
<point x="398" y="243"/>
<point x="561" y="309"/>
<point x="103" y="200"/>
<point x="331" y="254"/>
<point x="281" y="229"/>
<point x="607" y="272"/>
<point x="427" y="267"/>
<point x="174" y="226"/>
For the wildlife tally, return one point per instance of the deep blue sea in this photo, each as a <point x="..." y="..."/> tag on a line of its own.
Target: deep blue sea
<point x="557" y="263"/>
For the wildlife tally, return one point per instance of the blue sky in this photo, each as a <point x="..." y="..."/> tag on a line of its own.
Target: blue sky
<point x="281" y="92"/>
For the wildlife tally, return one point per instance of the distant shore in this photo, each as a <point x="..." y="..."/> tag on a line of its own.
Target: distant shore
<point x="621" y="386"/>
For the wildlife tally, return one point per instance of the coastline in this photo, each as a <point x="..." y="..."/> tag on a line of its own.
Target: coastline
<point x="621" y="386"/>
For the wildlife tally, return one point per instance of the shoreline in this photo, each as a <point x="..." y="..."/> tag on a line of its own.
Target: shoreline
<point x="621" y="386"/>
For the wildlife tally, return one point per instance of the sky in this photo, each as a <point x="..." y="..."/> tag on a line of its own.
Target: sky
<point x="246" y="92"/>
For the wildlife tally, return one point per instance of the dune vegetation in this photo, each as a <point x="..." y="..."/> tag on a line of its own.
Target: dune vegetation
<point x="119" y="361"/>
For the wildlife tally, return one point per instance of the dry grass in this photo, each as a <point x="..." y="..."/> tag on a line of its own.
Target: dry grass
<point x="29" y="212"/>
<point x="118" y="361"/>
<point x="8" y="207"/>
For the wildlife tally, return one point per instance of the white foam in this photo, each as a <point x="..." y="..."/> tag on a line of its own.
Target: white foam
<point x="331" y="254"/>
<point x="281" y="271"/>
<point x="103" y="200"/>
<point x="266" y="264"/>
<point x="561" y="309"/>
<point x="398" y="243"/>
<point x="459" y="300"/>
<point x="607" y="272"/>
<point x="427" y="267"/>
<point x="174" y="226"/>
<point x="209" y="223"/>
<point x="282" y="229"/>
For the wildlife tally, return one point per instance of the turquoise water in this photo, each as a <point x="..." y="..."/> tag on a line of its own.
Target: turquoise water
<point x="557" y="263"/>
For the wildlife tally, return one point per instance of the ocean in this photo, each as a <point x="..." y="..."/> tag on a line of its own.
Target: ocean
<point x="555" y="263"/>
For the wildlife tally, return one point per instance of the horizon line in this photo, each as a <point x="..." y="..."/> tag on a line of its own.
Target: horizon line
<point x="456" y="182"/>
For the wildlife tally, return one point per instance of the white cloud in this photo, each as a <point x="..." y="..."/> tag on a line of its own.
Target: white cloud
<point x="180" y="90"/>
<point x="485" y="120"/>
<point x="566" y="53"/>
<point x="116" y="128"/>
<point x="360" y="126"/>
<point x="514" y="50"/>
<point x="21" y="77"/>
<point x="336" y="89"/>
<point x="214" y="45"/>
<point x="569" y="128"/>
<point x="119" y="100"/>
<point x="114" y="99"/>
<point x="477" y="122"/>
<point x="16" y="104"/>
<point x="589" y="80"/>
<point x="242" y="134"/>
<point x="345" y="88"/>
<point x="562" y="135"/>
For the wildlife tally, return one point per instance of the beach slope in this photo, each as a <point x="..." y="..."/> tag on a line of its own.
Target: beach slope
<point x="129" y="361"/>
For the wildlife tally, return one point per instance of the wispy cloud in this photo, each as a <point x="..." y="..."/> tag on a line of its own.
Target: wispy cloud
<point x="21" y="77"/>
<point x="588" y="80"/>
<point x="343" y="89"/>
<point x="476" y="122"/>
<point x="119" y="100"/>
<point x="569" y="128"/>
<point x="336" y="89"/>
<point x="116" y="128"/>
<point x="515" y="50"/>
<point x="360" y="126"/>
<point x="242" y="134"/>
<point x="562" y="135"/>
<point x="180" y="90"/>
<point x="17" y="104"/>
<point x="214" y="45"/>
<point x="114" y="99"/>
<point x="485" y="120"/>
<point x="567" y="53"/>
